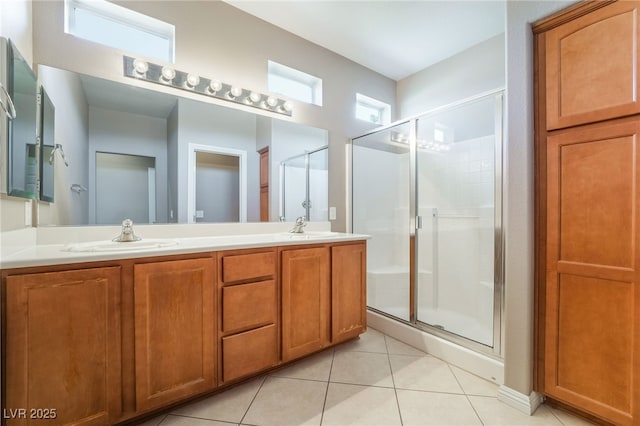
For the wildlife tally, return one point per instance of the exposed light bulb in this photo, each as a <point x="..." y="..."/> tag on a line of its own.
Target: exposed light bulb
<point x="287" y="106"/>
<point x="215" y="86"/>
<point x="271" y="101"/>
<point x="235" y="91"/>
<point x="255" y="97"/>
<point x="140" y="66"/>
<point x="192" y="80"/>
<point x="168" y="73"/>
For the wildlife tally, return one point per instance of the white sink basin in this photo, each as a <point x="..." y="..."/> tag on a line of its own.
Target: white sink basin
<point x="113" y="246"/>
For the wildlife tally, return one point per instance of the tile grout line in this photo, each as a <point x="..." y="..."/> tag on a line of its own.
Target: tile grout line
<point x="162" y="420"/>
<point x="200" y="418"/>
<point x="252" y="400"/>
<point x="326" y="393"/>
<point x="393" y="381"/>
<point x="464" y="392"/>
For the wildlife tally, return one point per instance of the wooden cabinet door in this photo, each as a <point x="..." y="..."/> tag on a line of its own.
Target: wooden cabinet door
<point x="305" y="301"/>
<point x="592" y="300"/>
<point x="348" y="291"/>
<point x="592" y="66"/>
<point x="174" y="330"/>
<point x="63" y="346"/>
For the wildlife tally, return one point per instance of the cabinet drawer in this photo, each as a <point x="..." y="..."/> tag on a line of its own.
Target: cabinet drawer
<point x="249" y="352"/>
<point x="248" y="305"/>
<point x="248" y="266"/>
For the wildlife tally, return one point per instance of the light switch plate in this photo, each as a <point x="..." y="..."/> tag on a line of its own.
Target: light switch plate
<point x="332" y="213"/>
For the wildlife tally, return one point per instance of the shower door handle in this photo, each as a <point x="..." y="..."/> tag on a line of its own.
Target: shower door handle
<point x="418" y="222"/>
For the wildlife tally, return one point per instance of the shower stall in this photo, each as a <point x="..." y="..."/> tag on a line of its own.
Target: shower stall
<point x="304" y="188"/>
<point x="428" y="190"/>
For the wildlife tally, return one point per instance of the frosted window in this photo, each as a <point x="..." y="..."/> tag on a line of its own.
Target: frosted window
<point x="106" y="23"/>
<point x="294" y="84"/>
<point x="372" y="110"/>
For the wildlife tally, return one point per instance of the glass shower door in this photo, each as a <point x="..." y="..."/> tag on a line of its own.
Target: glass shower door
<point x="381" y="179"/>
<point x="457" y="152"/>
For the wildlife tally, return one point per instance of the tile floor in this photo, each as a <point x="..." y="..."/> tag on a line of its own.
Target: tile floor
<point x="375" y="380"/>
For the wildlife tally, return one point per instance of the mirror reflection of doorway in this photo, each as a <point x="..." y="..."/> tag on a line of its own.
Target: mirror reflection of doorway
<point x="217" y="187"/>
<point x="127" y="188"/>
<point x="217" y="184"/>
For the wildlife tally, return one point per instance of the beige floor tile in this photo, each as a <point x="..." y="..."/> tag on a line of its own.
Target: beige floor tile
<point x="228" y="406"/>
<point x="361" y="368"/>
<point x="567" y="418"/>
<point x="315" y="367"/>
<point x="360" y="405"/>
<point x="423" y="373"/>
<point x="283" y="401"/>
<point x="371" y="341"/>
<point x="397" y="347"/>
<point x="154" y="421"/>
<point x="494" y="413"/>
<point x="436" y="409"/>
<point x="474" y="385"/>
<point x="172" y="420"/>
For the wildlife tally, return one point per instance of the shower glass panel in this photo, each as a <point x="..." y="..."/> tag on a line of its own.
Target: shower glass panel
<point x="381" y="179"/>
<point x="318" y="185"/>
<point x="304" y="190"/>
<point x="456" y="198"/>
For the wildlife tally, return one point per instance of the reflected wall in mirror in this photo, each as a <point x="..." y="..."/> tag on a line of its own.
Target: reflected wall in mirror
<point x="47" y="146"/>
<point x="22" y="150"/>
<point x="121" y="141"/>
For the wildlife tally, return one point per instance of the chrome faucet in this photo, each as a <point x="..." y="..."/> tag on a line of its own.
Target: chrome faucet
<point x="126" y="235"/>
<point x="300" y="223"/>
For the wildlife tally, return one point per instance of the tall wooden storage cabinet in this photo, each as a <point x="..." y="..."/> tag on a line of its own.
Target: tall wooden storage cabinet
<point x="587" y="209"/>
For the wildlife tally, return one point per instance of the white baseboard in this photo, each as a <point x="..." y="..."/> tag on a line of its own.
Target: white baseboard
<point x="526" y="404"/>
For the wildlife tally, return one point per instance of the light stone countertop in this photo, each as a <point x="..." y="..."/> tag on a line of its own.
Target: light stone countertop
<point x="56" y="254"/>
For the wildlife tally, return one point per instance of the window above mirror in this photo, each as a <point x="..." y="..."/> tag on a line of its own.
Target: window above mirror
<point x="103" y="22"/>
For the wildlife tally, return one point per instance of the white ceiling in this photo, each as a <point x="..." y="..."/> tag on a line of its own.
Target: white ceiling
<point x="392" y="37"/>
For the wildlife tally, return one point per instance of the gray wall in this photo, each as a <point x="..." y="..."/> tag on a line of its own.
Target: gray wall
<point x="215" y="38"/>
<point x="519" y="175"/>
<point x="476" y="70"/>
<point x="172" y="164"/>
<point x="126" y="133"/>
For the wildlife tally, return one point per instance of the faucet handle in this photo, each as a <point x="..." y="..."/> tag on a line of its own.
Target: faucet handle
<point x="300" y="221"/>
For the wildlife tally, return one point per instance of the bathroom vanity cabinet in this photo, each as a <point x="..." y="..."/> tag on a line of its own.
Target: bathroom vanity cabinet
<point x="587" y="218"/>
<point x="174" y="320"/>
<point x="62" y="346"/>
<point x="105" y="342"/>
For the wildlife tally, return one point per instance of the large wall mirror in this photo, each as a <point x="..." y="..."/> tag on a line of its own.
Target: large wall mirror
<point x="127" y="152"/>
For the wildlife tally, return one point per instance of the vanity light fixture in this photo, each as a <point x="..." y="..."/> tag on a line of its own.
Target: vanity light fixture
<point x="235" y="92"/>
<point x="271" y="101"/>
<point x="192" y="80"/>
<point x="168" y="76"/>
<point x="255" y="97"/>
<point x="141" y="67"/>
<point x="215" y="86"/>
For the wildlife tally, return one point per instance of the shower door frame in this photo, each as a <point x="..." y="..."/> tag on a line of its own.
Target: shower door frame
<point x="307" y="201"/>
<point x="496" y="350"/>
